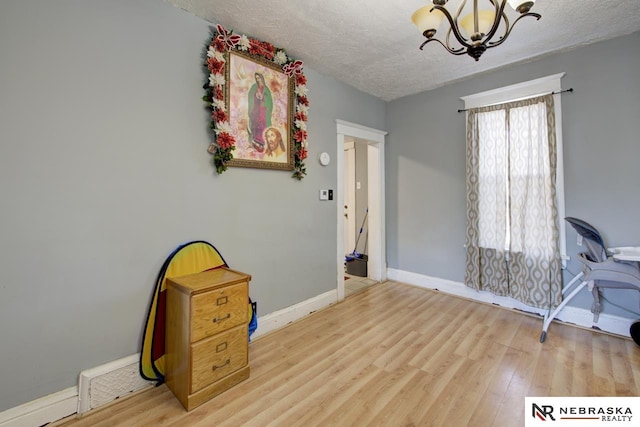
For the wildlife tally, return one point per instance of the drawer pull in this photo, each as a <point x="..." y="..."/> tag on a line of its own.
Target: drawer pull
<point x="221" y="366"/>
<point x="220" y="319"/>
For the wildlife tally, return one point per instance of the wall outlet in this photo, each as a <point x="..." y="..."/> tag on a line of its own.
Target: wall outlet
<point x="579" y="240"/>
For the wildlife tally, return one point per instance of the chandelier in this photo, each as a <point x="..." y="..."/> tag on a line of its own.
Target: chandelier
<point x="475" y="30"/>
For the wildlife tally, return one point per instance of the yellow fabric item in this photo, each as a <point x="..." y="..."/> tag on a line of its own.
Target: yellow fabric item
<point x="190" y="258"/>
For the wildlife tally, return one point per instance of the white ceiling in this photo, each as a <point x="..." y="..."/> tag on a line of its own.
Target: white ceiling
<point x="373" y="46"/>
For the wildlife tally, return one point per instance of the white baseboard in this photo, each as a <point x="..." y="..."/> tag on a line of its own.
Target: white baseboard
<point x="125" y="371"/>
<point x="280" y="318"/>
<point x="575" y="315"/>
<point x="42" y="411"/>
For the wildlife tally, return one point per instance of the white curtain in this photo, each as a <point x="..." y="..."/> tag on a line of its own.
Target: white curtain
<point x="512" y="221"/>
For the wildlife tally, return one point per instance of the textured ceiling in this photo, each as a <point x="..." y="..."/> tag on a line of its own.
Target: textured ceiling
<point x="373" y="46"/>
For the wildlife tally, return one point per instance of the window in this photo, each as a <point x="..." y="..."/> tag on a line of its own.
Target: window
<point x="495" y="123"/>
<point x="515" y="231"/>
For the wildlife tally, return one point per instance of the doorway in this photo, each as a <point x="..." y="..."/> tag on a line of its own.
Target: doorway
<point x="373" y="140"/>
<point x="355" y="215"/>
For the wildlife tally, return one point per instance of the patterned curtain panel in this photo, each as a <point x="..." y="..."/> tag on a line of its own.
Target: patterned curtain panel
<point x="512" y="221"/>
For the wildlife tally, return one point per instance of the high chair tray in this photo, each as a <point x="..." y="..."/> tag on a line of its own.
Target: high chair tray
<point x="626" y="253"/>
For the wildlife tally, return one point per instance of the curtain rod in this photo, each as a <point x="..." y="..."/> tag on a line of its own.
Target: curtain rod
<point x="552" y="93"/>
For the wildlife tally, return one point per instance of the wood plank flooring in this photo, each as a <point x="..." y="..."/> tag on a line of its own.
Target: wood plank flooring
<point x="397" y="355"/>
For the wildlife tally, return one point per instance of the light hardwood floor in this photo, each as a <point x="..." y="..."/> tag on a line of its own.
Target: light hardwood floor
<point x="397" y="355"/>
<point x="354" y="284"/>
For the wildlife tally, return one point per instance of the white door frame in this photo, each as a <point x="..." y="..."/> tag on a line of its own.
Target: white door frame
<point x="377" y="262"/>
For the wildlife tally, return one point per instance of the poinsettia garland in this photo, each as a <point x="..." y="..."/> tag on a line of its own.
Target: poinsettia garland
<point x="224" y="142"/>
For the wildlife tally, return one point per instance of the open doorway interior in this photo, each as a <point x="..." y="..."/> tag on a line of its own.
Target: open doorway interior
<point x="369" y="172"/>
<point x="349" y="191"/>
<point x="356" y="207"/>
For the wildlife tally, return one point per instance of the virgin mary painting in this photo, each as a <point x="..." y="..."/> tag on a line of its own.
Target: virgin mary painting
<point x="260" y="111"/>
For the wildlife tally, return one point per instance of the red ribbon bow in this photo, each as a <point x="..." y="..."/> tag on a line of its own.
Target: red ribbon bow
<point x="224" y="36"/>
<point x="293" y="68"/>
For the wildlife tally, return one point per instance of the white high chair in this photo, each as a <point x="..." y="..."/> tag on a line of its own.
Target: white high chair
<point x="617" y="269"/>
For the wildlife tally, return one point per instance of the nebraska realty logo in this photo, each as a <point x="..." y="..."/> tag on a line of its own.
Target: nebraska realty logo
<point x="587" y="411"/>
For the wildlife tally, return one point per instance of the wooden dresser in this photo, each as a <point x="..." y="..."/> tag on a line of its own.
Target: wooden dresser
<point x="206" y="334"/>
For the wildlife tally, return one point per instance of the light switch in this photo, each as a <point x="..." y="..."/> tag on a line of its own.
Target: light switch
<point x="324" y="194"/>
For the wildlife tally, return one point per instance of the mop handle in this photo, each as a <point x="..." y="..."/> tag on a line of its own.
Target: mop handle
<point x="363" y="221"/>
<point x="366" y="212"/>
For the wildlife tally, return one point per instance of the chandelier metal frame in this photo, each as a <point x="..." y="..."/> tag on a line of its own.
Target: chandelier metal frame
<point x="478" y="42"/>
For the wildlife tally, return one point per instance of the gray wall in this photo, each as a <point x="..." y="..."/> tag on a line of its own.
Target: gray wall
<point x="104" y="171"/>
<point x="425" y="175"/>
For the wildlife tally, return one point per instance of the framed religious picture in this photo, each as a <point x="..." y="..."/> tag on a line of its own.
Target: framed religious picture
<point x="258" y="100"/>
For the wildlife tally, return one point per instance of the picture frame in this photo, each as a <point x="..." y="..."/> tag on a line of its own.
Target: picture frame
<point x="257" y="95"/>
<point x="260" y="100"/>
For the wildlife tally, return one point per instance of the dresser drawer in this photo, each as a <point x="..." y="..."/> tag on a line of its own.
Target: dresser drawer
<point x="219" y="309"/>
<point x="218" y="356"/>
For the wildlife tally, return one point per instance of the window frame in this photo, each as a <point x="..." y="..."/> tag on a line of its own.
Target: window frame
<point x="530" y="89"/>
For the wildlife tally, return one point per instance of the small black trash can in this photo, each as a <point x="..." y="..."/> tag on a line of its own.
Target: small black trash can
<point x="357" y="264"/>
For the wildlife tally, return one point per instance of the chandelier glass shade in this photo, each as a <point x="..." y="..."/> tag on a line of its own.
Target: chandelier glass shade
<point x="475" y="32"/>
